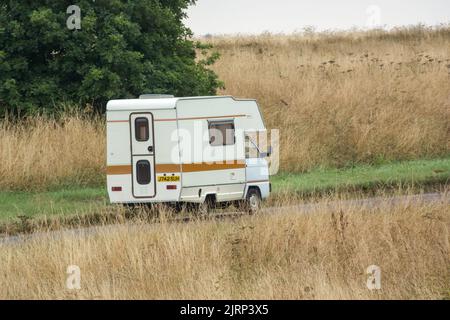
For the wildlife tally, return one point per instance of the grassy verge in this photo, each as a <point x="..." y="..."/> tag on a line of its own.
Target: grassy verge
<point x="29" y="204"/>
<point x="25" y="205"/>
<point x="365" y="177"/>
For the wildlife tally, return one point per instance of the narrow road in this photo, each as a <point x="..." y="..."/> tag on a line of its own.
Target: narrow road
<point x="368" y="203"/>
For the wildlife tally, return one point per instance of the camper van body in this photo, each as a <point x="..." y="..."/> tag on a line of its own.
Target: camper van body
<point x="159" y="149"/>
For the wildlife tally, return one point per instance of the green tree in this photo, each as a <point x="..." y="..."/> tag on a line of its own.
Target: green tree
<point x="124" y="48"/>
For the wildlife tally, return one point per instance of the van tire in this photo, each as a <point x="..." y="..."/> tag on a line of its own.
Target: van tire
<point x="253" y="200"/>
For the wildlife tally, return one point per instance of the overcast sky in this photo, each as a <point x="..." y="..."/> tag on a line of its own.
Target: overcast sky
<point x="256" y="16"/>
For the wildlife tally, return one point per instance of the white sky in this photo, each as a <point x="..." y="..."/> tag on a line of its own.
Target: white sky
<point x="256" y="16"/>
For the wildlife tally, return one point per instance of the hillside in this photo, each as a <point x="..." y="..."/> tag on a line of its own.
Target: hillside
<point x="345" y="98"/>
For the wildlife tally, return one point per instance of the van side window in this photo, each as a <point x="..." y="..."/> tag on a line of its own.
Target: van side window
<point x="221" y="133"/>
<point x="141" y="129"/>
<point x="143" y="172"/>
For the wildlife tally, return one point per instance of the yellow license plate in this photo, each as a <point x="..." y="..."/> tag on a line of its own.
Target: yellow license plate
<point x="169" y="179"/>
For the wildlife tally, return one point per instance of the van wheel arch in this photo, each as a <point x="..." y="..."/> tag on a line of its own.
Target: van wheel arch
<point x="208" y="204"/>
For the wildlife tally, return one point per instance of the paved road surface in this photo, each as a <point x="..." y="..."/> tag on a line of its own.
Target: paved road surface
<point x="369" y="203"/>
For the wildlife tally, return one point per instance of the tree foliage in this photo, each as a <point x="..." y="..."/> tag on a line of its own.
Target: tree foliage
<point x="124" y="48"/>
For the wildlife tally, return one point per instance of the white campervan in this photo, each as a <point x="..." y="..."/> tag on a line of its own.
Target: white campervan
<point x="194" y="150"/>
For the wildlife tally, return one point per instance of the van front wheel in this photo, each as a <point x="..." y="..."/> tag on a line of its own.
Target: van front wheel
<point x="253" y="200"/>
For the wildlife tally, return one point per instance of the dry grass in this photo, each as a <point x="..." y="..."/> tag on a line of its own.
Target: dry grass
<point x="338" y="99"/>
<point x="41" y="151"/>
<point x="347" y="97"/>
<point x="322" y="255"/>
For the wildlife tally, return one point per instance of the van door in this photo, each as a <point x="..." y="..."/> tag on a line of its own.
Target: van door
<point x="143" y="155"/>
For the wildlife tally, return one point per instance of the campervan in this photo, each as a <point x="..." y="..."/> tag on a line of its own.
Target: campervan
<point x="204" y="150"/>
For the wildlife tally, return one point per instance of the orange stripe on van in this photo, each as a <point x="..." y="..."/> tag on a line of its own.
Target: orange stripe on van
<point x="167" y="168"/>
<point x="171" y="168"/>
<point x="114" y="170"/>
<point x="197" y="167"/>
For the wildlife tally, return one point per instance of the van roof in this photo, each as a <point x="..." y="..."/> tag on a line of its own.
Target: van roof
<point x="152" y="104"/>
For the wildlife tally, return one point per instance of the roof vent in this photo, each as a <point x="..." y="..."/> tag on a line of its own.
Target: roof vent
<point x="156" y="96"/>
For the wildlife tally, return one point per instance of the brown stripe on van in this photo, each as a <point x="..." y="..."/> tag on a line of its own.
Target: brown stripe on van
<point x="122" y="169"/>
<point x="173" y="168"/>
<point x="167" y="168"/>
<point x="197" y="167"/>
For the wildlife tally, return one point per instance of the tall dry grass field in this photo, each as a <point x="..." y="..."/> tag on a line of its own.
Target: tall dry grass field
<point x="40" y="152"/>
<point x="337" y="99"/>
<point x="346" y="97"/>
<point x="321" y="255"/>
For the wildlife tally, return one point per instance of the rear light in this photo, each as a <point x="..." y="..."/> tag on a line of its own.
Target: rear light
<point x="171" y="187"/>
<point x="116" y="189"/>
